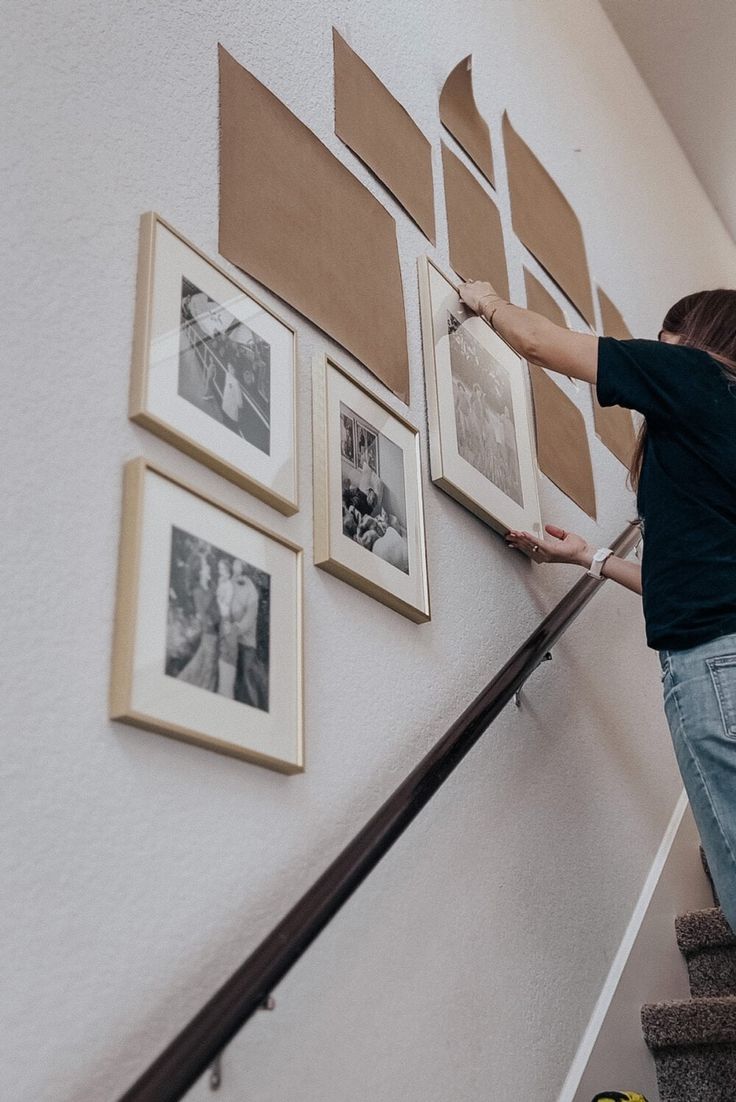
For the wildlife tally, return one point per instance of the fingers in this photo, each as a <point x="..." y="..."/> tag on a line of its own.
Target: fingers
<point x="473" y="291"/>
<point x="530" y="544"/>
<point x="556" y="531"/>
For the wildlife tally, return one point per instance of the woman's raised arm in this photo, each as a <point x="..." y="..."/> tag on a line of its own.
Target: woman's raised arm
<point x="534" y="337"/>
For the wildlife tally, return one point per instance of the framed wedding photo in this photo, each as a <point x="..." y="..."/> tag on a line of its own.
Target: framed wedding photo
<point x="208" y="627"/>
<point x="213" y="368"/>
<point x="481" y="443"/>
<point x="368" y="507"/>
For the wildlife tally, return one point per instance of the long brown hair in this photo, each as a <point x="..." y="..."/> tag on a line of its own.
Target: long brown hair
<point x="704" y="320"/>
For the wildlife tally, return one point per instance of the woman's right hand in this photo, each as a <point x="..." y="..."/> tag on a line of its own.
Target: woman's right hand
<point x="562" y="546"/>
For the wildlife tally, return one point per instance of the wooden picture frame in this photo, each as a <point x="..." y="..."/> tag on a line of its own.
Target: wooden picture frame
<point x="208" y="622"/>
<point x="368" y="528"/>
<point x="214" y="368"/>
<point x="481" y="440"/>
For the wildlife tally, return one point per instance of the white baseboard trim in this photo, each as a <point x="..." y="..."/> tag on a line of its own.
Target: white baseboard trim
<point x="590" y="1035"/>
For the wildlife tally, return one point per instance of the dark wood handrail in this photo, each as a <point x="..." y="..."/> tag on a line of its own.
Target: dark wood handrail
<point x="196" y="1047"/>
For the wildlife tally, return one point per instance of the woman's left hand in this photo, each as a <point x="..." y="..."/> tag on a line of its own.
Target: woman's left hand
<point x="562" y="546"/>
<point x="478" y="293"/>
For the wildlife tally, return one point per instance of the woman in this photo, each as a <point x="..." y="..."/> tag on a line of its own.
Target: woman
<point x="201" y="669"/>
<point x="684" y="470"/>
<point x="232" y="398"/>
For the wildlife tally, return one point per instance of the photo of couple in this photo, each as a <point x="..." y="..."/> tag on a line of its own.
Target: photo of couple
<point x="218" y="621"/>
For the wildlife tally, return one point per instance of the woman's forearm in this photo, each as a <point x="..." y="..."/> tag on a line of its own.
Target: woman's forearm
<point x="568" y="547"/>
<point x="627" y="574"/>
<point x="539" y="340"/>
<point x="527" y="332"/>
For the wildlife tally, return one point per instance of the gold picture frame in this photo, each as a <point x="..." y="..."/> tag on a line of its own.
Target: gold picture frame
<point x="369" y="525"/>
<point x="214" y="368"/>
<point x="481" y="439"/>
<point x="208" y="620"/>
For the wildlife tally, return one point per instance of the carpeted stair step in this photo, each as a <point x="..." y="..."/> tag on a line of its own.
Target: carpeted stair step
<point x="694" y="1046"/>
<point x="709" y="946"/>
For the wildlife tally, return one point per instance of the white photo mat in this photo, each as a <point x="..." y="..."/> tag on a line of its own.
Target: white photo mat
<point x="406" y="592"/>
<point x="165" y="258"/>
<point x="142" y="693"/>
<point x="449" y="470"/>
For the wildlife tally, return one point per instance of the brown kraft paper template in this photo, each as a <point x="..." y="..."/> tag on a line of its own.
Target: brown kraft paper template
<point x="541" y="301"/>
<point x="546" y="223"/>
<point x="459" y="114"/>
<point x="297" y="220"/>
<point x="382" y="133"/>
<point x="614" y="425"/>
<point x="563" y="453"/>
<point x="473" y="226"/>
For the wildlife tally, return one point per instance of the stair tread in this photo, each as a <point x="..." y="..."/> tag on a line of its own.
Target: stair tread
<point x="706" y="929"/>
<point x="690" y="1022"/>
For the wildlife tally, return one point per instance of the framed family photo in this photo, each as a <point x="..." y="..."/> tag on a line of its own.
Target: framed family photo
<point x="368" y="507"/>
<point x="208" y="627"/>
<point x="481" y="442"/>
<point x="213" y="368"/>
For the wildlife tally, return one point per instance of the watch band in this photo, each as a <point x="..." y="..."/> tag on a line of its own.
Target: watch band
<point x="596" y="566"/>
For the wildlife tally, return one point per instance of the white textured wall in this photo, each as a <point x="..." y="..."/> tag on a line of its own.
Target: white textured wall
<point x="138" y="872"/>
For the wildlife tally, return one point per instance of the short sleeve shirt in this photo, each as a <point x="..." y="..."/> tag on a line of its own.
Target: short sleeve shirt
<point x="687" y="490"/>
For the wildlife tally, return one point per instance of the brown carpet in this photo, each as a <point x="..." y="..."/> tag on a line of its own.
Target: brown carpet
<point x="693" y="1041"/>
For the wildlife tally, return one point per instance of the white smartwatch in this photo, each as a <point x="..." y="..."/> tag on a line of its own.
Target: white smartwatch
<point x="596" y="566"/>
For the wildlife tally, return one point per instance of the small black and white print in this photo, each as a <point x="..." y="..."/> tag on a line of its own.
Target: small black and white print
<point x="347" y="438"/>
<point x="218" y="624"/>
<point x="224" y="367"/>
<point x="374" y="492"/>
<point x="484" y="411"/>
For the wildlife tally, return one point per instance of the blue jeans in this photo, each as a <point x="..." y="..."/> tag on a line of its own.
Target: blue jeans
<point x="700" y="702"/>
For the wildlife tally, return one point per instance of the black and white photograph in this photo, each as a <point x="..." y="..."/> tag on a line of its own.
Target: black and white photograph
<point x="347" y="438"/>
<point x="218" y="621"/>
<point x="367" y="447"/>
<point x="213" y="368"/>
<point x="484" y="411"/>
<point x="481" y="438"/>
<point x="368" y="502"/>
<point x="224" y="367"/>
<point x="208" y="643"/>
<point x="373" y="502"/>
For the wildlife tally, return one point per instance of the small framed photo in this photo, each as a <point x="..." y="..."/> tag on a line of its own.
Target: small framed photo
<point x="481" y="442"/>
<point x="368" y="511"/>
<point x="213" y="368"/>
<point x="208" y="629"/>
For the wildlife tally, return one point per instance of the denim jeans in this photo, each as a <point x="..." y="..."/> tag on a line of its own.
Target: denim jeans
<point x="700" y="703"/>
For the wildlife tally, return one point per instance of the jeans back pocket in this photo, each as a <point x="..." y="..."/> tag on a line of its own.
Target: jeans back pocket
<point x="723" y="674"/>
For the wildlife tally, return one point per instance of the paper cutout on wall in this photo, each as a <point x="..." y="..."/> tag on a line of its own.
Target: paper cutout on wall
<point x="546" y="223"/>
<point x="382" y="133"/>
<point x="563" y="453"/>
<point x="296" y="219"/>
<point x="614" y="425"/>
<point x="459" y="114"/>
<point x="541" y="301"/>
<point x="473" y="226"/>
<point x="612" y="321"/>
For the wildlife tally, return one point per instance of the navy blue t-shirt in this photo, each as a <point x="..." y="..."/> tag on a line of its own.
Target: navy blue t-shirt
<point x="687" y="491"/>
